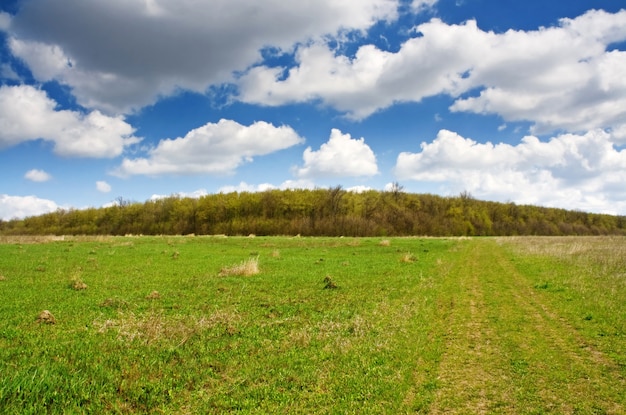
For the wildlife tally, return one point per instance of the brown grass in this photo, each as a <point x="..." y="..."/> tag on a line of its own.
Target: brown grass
<point x="154" y="295"/>
<point x="114" y="303"/>
<point x="78" y="285"/>
<point x="385" y="242"/>
<point x="155" y="328"/>
<point x="408" y="258"/>
<point x="246" y="268"/>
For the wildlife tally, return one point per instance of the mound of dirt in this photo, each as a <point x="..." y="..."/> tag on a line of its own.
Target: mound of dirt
<point x="46" y="317"/>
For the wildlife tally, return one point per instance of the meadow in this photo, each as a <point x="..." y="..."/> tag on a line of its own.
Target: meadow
<point x="270" y="325"/>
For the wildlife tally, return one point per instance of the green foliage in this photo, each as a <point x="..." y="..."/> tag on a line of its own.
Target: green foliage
<point x="319" y="212"/>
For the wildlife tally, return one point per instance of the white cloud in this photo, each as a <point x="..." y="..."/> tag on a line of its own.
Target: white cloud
<point x="341" y="156"/>
<point x="212" y="149"/>
<point x="196" y="194"/>
<point x="558" y="78"/>
<point x="36" y="175"/>
<point x="26" y="114"/>
<point x="119" y="55"/>
<point x="5" y="21"/>
<point x="417" y="6"/>
<point x="569" y="171"/>
<point x="103" y="187"/>
<point x="245" y="187"/>
<point x="19" y="207"/>
<point x="359" y="189"/>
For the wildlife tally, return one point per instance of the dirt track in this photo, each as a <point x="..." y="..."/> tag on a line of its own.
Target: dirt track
<point x="507" y="350"/>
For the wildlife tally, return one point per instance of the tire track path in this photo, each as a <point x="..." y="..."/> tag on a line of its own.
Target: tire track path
<point x="507" y="350"/>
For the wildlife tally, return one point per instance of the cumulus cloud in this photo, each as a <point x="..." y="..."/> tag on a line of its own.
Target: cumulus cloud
<point x="27" y="114"/>
<point x="36" y="175"/>
<point x="103" y="187"/>
<point x="215" y="148"/>
<point x="570" y="171"/>
<point x="341" y="156"/>
<point x="561" y="77"/>
<point x="19" y="207"/>
<point x="118" y="55"/>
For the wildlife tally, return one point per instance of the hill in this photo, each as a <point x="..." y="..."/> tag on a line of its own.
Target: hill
<point x="319" y="212"/>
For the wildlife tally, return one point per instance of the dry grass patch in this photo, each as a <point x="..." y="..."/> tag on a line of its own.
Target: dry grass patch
<point x="114" y="303"/>
<point x="157" y="328"/>
<point x="246" y="268"/>
<point x="3" y="278"/>
<point x="154" y="295"/>
<point x="408" y="258"/>
<point x="78" y="285"/>
<point x="385" y="242"/>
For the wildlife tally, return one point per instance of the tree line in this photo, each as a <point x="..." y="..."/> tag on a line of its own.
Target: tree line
<point x="318" y="212"/>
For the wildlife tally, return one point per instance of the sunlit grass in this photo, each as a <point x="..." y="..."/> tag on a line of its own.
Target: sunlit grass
<point x="324" y="325"/>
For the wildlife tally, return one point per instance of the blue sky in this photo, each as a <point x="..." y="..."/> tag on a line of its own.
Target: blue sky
<point x="140" y="99"/>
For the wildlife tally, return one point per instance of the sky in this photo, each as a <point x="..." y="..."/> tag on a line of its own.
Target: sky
<point x="509" y="101"/>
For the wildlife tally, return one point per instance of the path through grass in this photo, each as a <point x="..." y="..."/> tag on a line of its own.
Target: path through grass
<point x="509" y="347"/>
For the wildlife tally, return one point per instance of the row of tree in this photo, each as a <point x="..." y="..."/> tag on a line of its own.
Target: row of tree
<point x="330" y="212"/>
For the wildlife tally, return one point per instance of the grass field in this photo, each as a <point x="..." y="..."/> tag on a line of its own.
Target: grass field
<point x="313" y="325"/>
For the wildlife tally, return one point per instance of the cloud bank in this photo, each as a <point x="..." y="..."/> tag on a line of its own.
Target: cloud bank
<point x="117" y="56"/>
<point x="585" y="171"/>
<point x="559" y="78"/>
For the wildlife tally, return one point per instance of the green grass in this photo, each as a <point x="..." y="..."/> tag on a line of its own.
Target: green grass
<point x="412" y="325"/>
